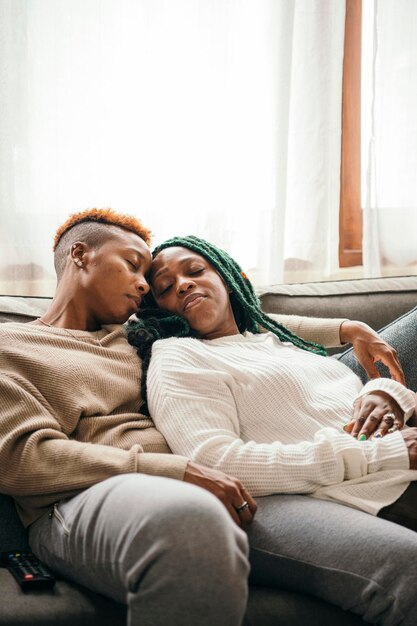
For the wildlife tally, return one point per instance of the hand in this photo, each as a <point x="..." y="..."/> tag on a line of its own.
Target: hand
<point x="410" y="438"/>
<point x="369" y="348"/>
<point x="229" y="490"/>
<point x="370" y="415"/>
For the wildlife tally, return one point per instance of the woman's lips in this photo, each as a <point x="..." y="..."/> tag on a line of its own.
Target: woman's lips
<point x="193" y="301"/>
<point x="136" y="301"/>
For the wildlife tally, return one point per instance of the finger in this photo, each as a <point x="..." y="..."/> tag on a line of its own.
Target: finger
<point x="241" y="501"/>
<point x="390" y="422"/>
<point x="399" y="422"/>
<point x="392" y="363"/>
<point x="232" y="511"/>
<point x="349" y="426"/>
<point x="360" y="420"/>
<point x="245" y="516"/>
<point x="357" y="405"/>
<point x="250" y="500"/>
<point x="243" y="511"/>
<point x="381" y="431"/>
<point x="371" y="425"/>
<point x="369" y="367"/>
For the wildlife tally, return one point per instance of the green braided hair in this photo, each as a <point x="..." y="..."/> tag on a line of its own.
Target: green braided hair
<point x="155" y="323"/>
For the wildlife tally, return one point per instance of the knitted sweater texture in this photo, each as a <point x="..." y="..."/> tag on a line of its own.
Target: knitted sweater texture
<point x="69" y="415"/>
<point x="273" y="415"/>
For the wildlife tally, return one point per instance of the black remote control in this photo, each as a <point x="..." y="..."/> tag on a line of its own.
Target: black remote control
<point x="29" y="572"/>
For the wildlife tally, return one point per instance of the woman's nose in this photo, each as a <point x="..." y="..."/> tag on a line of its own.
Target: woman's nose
<point x="142" y="286"/>
<point x="184" y="285"/>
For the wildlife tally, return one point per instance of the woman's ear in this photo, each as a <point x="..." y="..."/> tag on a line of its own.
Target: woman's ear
<point x="77" y="253"/>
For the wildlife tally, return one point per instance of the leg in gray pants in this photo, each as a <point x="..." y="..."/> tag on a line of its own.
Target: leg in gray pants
<point x="336" y="553"/>
<point x="167" y="549"/>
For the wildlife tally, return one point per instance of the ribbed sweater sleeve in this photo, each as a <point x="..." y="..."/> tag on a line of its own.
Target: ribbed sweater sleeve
<point x="196" y="411"/>
<point x="321" y="330"/>
<point x="404" y="397"/>
<point x="38" y="458"/>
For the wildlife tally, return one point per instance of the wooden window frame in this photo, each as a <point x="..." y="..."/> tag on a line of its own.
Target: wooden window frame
<point x="351" y="214"/>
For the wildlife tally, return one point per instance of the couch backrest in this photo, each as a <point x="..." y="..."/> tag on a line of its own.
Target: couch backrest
<point x="22" y="308"/>
<point x="376" y="301"/>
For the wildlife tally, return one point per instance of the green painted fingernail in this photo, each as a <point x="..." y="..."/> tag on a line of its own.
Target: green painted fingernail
<point x="362" y="438"/>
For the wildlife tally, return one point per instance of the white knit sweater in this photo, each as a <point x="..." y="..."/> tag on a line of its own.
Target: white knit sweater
<point x="272" y="415"/>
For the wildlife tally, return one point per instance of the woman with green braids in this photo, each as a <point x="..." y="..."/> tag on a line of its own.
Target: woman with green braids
<point x="234" y="389"/>
<point x="267" y="407"/>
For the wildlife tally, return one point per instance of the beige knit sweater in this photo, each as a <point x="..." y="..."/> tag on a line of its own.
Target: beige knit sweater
<point x="69" y="412"/>
<point x="69" y="415"/>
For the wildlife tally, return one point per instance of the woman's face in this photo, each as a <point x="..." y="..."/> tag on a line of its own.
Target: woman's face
<point x="184" y="283"/>
<point x="114" y="281"/>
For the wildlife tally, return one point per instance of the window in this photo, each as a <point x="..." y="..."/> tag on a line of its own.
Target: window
<point x="378" y="200"/>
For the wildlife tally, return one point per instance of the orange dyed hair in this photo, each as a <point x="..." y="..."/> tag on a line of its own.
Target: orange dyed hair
<point x="104" y="216"/>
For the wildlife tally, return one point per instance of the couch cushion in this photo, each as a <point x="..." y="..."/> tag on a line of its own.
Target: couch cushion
<point x="68" y="604"/>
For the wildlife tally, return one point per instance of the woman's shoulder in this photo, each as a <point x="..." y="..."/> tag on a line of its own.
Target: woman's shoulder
<point x="177" y="353"/>
<point x="183" y="344"/>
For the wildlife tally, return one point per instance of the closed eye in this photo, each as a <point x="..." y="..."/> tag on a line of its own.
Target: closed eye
<point x="135" y="267"/>
<point x="163" y="291"/>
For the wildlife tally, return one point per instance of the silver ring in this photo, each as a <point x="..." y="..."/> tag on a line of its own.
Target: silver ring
<point x="242" y="507"/>
<point x="389" y="416"/>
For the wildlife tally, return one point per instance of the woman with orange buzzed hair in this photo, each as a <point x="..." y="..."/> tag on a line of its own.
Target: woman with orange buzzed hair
<point x="105" y="503"/>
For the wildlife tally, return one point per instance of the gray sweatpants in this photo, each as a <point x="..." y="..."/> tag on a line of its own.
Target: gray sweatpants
<point x="342" y="555"/>
<point x="167" y="549"/>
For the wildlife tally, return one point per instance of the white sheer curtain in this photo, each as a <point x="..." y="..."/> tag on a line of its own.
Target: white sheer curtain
<point x="390" y="136"/>
<point x="219" y="118"/>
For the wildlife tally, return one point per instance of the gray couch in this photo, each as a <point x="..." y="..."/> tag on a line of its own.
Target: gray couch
<point x="375" y="301"/>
